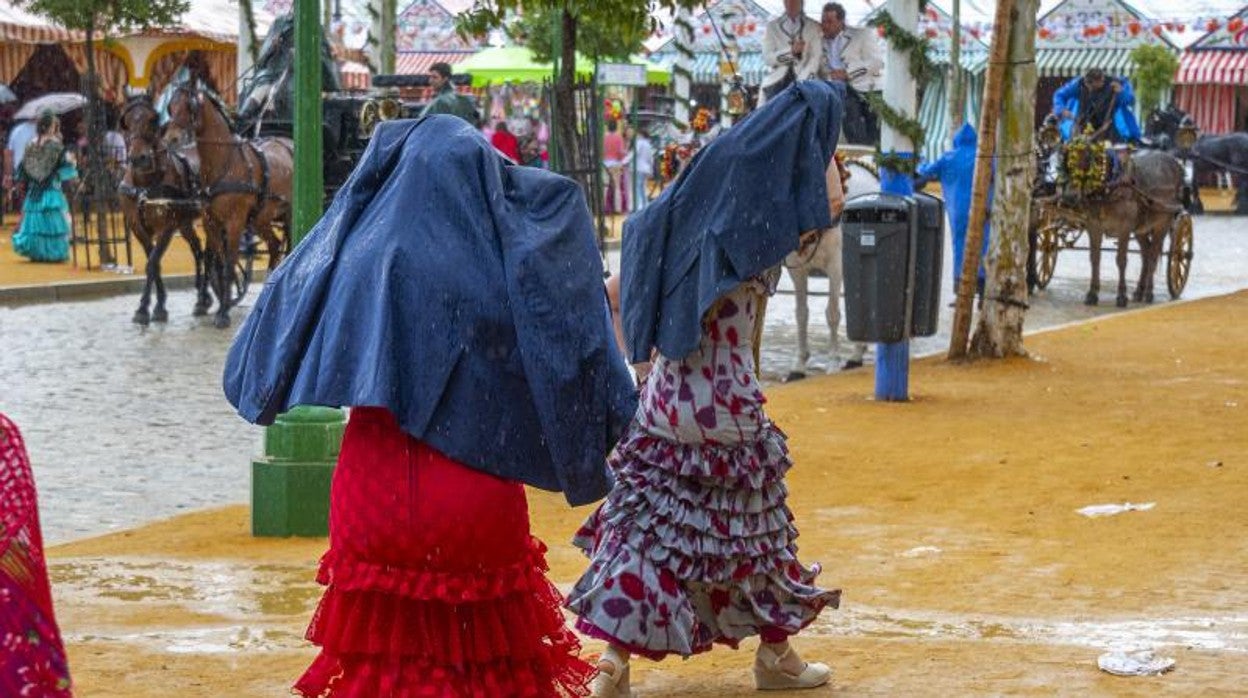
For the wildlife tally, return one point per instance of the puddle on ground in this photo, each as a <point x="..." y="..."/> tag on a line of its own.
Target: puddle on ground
<point x="229" y="589"/>
<point x="1225" y="633"/>
<point x="265" y="607"/>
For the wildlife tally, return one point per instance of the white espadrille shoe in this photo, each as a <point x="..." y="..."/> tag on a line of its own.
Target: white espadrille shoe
<point x="614" y="685"/>
<point x="769" y="676"/>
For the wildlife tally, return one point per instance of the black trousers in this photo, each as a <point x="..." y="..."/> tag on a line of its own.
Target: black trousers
<point x="861" y="125"/>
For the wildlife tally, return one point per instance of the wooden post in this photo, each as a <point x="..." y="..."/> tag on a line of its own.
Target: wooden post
<point x="892" y="359"/>
<point x="1000" y="330"/>
<point x="989" y="116"/>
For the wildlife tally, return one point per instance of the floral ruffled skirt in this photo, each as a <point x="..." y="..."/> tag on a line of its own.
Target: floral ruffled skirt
<point x="435" y="585"/>
<point x="695" y="546"/>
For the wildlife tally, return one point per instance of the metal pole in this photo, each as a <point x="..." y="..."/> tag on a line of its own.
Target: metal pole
<point x="892" y="359"/>
<point x="290" y="483"/>
<point x="246" y="42"/>
<point x="382" y="31"/>
<point x="309" y="191"/>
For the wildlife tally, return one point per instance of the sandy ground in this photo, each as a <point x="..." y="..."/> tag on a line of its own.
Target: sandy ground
<point x="950" y="522"/>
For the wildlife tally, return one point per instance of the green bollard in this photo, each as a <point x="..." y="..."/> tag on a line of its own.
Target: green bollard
<point x="290" y="484"/>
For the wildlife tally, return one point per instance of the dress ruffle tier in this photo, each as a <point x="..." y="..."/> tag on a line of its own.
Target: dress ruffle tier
<point x="695" y="546"/>
<point x="387" y="632"/>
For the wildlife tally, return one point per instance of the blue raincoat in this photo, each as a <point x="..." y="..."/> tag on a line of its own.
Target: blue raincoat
<point x="735" y="211"/>
<point x="1067" y="99"/>
<point x="955" y="170"/>
<point x="462" y="293"/>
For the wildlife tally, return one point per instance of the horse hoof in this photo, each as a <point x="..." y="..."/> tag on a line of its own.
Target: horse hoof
<point x="221" y="322"/>
<point x="200" y="310"/>
<point x="1121" y="302"/>
<point x="1137" y="296"/>
<point x="794" y="376"/>
<point x="1090" y="299"/>
<point x="852" y="364"/>
<point x="160" y="315"/>
<point x="1148" y="297"/>
<point x="141" y="318"/>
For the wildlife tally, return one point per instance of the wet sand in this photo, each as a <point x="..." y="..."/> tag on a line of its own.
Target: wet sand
<point x="950" y="522"/>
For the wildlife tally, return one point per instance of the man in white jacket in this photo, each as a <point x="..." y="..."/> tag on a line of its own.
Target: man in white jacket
<point x="792" y="50"/>
<point x="851" y="55"/>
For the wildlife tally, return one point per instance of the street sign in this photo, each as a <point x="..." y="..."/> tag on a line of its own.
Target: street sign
<point x="629" y="74"/>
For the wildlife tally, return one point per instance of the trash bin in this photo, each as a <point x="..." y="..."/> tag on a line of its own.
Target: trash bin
<point x="887" y="287"/>
<point x="929" y="263"/>
<point x="876" y="239"/>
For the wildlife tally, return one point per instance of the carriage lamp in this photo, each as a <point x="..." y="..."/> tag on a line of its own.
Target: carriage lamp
<point x="1049" y="134"/>
<point x="389" y="108"/>
<point x="1185" y="136"/>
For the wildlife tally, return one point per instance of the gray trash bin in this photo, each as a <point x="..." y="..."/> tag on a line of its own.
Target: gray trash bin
<point x="876" y="230"/>
<point x="929" y="263"/>
<point x="879" y="270"/>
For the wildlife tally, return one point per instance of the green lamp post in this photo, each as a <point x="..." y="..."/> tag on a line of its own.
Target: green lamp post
<point x="290" y="483"/>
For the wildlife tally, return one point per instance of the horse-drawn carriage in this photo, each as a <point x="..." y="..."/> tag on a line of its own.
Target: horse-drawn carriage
<point x="190" y="158"/>
<point x="1086" y="187"/>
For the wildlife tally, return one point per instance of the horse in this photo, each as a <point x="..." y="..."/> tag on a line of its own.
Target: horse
<point x="154" y="172"/>
<point x="247" y="187"/>
<point x="826" y="256"/>
<point x="1144" y="200"/>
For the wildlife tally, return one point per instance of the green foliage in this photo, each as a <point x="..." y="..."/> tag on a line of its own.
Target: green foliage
<point x="921" y="69"/>
<point x="107" y="16"/>
<point x="604" y="28"/>
<point x="616" y="37"/>
<point x="1155" y="68"/>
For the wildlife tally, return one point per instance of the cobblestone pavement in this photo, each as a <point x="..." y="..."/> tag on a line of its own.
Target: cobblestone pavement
<point x="127" y="425"/>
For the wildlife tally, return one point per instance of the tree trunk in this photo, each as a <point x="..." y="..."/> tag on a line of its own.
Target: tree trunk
<point x="995" y="85"/>
<point x="96" y="176"/>
<point x="957" y="82"/>
<point x="565" y="95"/>
<point x="1000" y="331"/>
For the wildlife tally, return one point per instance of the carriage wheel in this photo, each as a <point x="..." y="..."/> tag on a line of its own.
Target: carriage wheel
<point x="1048" y="244"/>
<point x="1179" y="261"/>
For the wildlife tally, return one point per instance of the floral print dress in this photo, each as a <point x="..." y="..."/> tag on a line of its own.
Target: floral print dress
<point x="695" y="544"/>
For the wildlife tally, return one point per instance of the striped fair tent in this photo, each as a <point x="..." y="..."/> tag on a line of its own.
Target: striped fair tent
<point x="934" y="108"/>
<point x="745" y="20"/>
<point x="1213" y="79"/>
<point x="1065" y="49"/>
<point x="419" y="62"/>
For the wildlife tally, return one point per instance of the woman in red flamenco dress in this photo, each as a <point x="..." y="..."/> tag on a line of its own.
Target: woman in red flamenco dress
<point x="32" y="658"/>
<point x="454" y="301"/>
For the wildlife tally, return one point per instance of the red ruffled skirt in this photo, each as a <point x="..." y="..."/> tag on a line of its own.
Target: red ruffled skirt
<point x="435" y="585"/>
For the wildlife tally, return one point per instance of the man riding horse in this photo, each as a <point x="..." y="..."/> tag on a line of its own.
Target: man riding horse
<point x="1098" y="102"/>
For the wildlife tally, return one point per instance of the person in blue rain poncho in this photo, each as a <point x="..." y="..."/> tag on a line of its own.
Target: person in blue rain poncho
<point x="955" y="170"/>
<point x="454" y="301"/>
<point x="1097" y="101"/>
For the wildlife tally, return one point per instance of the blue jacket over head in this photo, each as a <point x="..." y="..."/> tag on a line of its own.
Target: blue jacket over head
<point x="735" y="211"/>
<point x="462" y="293"/>
<point x="1067" y="99"/>
<point x="955" y="170"/>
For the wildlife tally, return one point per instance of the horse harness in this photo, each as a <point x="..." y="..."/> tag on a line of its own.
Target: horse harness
<point x="184" y="173"/>
<point x="221" y="186"/>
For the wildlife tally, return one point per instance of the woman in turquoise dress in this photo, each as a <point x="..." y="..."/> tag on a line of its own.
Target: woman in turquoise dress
<point x="44" y="232"/>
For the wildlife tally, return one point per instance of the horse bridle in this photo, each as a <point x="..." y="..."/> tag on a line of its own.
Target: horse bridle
<point x="150" y="135"/>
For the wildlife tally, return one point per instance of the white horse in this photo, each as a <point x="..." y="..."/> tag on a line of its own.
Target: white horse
<point x="827" y="257"/>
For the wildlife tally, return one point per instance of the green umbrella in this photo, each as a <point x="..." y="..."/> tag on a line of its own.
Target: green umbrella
<point x="517" y="64"/>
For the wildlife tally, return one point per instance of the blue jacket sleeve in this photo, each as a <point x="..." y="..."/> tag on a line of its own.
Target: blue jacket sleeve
<point x="1126" y="98"/>
<point x="1067" y="97"/>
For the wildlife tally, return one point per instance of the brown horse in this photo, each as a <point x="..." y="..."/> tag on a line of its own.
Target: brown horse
<point x="155" y="180"/>
<point x="247" y="187"/>
<point x="1144" y="200"/>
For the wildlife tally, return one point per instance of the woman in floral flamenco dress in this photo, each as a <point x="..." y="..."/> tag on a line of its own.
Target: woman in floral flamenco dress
<point x="454" y="301"/>
<point x="695" y="545"/>
<point x="43" y="235"/>
<point x="32" y="658"/>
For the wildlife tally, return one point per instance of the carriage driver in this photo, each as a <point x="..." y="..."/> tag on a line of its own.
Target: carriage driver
<point x="1100" y="102"/>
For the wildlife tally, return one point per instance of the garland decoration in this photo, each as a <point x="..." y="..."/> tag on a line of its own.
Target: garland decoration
<point x="701" y="122"/>
<point x="921" y="69"/>
<point x="1085" y="164"/>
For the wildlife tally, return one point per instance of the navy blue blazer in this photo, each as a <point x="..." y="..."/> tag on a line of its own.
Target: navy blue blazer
<point x="459" y="291"/>
<point x="735" y="211"/>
